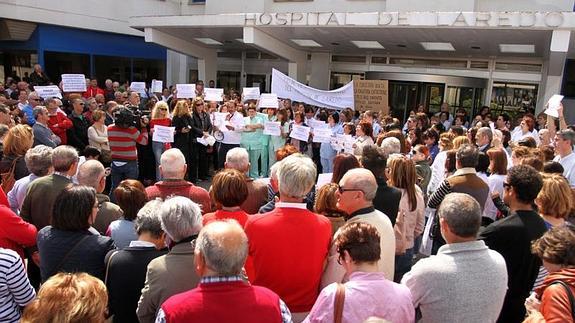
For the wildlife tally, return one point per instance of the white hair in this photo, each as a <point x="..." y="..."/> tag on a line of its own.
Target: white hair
<point x="296" y="176"/>
<point x="173" y="163"/>
<point x="148" y="219"/>
<point x="181" y="218"/>
<point x="391" y="145"/>
<point x="274" y="169"/>
<point x="238" y="158"/>
<point x="90" y="173"/>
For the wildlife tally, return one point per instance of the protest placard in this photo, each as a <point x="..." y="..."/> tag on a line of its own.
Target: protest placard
<point x="371" y="95"/>
<point x="300" y="132"/>
<point x="553" y="105"/>
<point x="49" y="91"/>
<point x="216" y="95"/>
<point x="157" y="86"/>
<point x="323" y="179"/>
<point x="251" y="93"/>
<point x="73" y="83"/>
<point x="272" y="128"/>
<point x="186" y="91"/>
<point x="163" y="134"/>
<point x="139" y="87"/>
<point x="322" y="135"/>
<point x="268" y="100"/>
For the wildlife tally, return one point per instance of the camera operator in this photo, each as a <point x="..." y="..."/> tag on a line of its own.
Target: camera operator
<point x="123" y="136"/>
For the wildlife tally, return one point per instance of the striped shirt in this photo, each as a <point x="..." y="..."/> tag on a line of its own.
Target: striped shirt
<point x="15" y="288"/>
<point x="123" y="142"/>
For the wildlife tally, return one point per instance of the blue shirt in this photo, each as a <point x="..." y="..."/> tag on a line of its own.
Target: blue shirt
<point x="29" y="112"/>
<point x="325" y="150"/>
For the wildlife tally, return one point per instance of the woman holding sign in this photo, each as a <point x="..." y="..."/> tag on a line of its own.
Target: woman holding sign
<point x="182" y="121"/>
<point x="201" y="127"/>
<point x="160" y="117"/>
<point x="301" y="145"/>
<point x="326" y="151"/>
<point x="277" y="142"/>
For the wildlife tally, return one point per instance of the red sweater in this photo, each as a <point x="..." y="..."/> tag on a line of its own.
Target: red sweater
<point x="181" y="187"/>
<point x="161" y="122"/>
<point x="59" y="123"/>
<point x="288" y="247"/>
<point x="92" y="91"/>
<point x="123" y="142"/>
<point x="15" y="233"/>
<point x="219" y="215"/>
<point x="237" y="302"/>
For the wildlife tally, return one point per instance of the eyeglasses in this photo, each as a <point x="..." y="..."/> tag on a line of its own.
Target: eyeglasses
<point x="35" y="100"/>
<point x="163" y="109"/>
<point x="341" y="190"/>
<point x="81" y="103"/>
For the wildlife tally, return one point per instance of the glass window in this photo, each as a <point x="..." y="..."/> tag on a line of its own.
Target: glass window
<point x="338" y="80"/>
<point x="62" y="63"/>
<point x="228" y="80"/>
<point x="513" y="97"/>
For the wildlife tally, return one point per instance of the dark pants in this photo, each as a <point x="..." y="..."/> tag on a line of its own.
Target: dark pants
<point x="403" y="264"/>
<point x="201" y="161"/>
<point x="120" y="173"/>
<point x="222" y="152"/>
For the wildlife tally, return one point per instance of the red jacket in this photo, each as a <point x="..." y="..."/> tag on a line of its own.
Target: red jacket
<point x="181" y="187"/>
<point x="555" y="306"/>
<point x="288" y="248"/>
<point x="15" y="233"/>
<point x="59" y="123"/>
<point x="91" y="92"/>
<point x="224" y="302"/>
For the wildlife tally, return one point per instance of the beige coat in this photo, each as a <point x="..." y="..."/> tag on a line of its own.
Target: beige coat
<point x="409" y="224"/>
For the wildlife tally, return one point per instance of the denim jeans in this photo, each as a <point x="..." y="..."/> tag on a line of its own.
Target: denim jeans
<point x="158" y="148"/>
<point x="403" y="264"/>
<point x="119" y="173"/>
<point x="327" y="165"/>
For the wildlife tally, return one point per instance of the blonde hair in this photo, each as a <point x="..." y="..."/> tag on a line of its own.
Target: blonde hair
<point x="459" y="141"/>
<point x="555" y="198"/>
<point x="182" y="108"/>
<point x="446" y="141"/>
<point x="195" y="101"/>
<point x="157" y="107"/>
<point x="69" y="298"/>
<point x="98" y="115"/>
<point x="19" y="139"/>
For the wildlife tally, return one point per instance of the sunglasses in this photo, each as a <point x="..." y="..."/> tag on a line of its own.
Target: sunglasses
<point x="341" y="190"/>
<point x="163" y="109"/>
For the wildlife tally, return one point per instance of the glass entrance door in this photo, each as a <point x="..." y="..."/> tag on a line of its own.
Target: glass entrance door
<point x="433" y="95"/>
<point x="402" y="98"/>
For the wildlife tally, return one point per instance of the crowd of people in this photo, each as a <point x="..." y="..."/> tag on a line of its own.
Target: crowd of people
<point x="441" y="218"/>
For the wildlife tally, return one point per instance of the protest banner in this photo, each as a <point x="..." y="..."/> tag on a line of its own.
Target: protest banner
<point x="73" y="83"/>
<point x="186" y="91"/>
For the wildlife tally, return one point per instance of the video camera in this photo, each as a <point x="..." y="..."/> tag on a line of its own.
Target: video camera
<point x="126" y="117"/>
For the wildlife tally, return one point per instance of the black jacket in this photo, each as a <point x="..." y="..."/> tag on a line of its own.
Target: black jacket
<point x="200" y="123"/>
<point x="387" y="200"/>
<point x="78" y="134"/>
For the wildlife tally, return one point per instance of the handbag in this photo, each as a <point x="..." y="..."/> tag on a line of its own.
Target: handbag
<point x="339" y="300"/>
<point x="8" y="179"/>
<point x="569" y="294"/>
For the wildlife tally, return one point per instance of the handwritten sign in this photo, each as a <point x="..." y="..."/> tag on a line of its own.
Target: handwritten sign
<point x="371" y="95"/>
<point x="157" y="86"/>
<point x="163" y="134"/>
<point x="49" y="91"/>
<point x="314" y="124"/>
<point x="322" y="135"/>
<point x="139" y="87"/>
<point x="300" y="132"/>
<point x="272" y="128"/>
<point x="215" y="95"/>
<point x="251" y="93"/>
<point x="268" y="100"/>
<point x="73" y="83"/>
<point x="186" y="91"/>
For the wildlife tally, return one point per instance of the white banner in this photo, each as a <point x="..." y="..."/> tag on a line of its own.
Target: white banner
<point x="73" y="83"/>
<point x="49" y="91"/>
<point x="288" y="88"/>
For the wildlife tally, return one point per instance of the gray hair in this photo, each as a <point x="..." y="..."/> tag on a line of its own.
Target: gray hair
<point x="567" y="134"/>
<point x="173" y="163"/>
<point x="485" y="131"/>
<point x="391" y="145"/>
<point x="49" y="101"/>
<point x="39" y="160"/>
<point x="462" y="213"/>
<point x="33" y="95"/>
<point x="361" y="179"/>
<point x="37" y="110"/>
<point x="181" y="218"/>
<point x="274" y="169"/>
<point x="63" y="157"/>
<point x="90" y="173"/>
<point x="148" y="219"/>
<point x="296" y="176"/>
<point x="467" y="155"/>
<point x="224" y="246"/>
<point x="238" y="158"/>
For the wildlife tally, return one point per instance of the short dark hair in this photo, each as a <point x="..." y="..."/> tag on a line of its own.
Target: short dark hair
<point x="131" y="197"/>
<point x="373" y="158"/>
<point x="553" y="167"/>
<point x="482" y="163"/>
<point x="229" y="188"/>
<point x="335" y="117"/>
<point x="556" y="246"/>
<point x="91" y="151"/>
<point x="526" y="182"/>
<point x="467" y="155"/>
<point x="505" y="117"/>
<point x="361" y="240"/>
<point x="457" y="130"/>
<point x="73" y="208"/>
<point x="430" y="133"/>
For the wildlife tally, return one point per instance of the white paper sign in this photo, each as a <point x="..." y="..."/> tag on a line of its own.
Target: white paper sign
<point x="268" y="100"/>
<point x="186" y="91"/>
<point x="73" y="83"/>
<point x="553" y="105"/>
<point x="272" y="128"/>
<point x="317" y="124"/>
<point x="237" y="122"/>
<point x="251" y="93"/>
<point x="216" y="95"/>
<point x="322" y="135"/>
<point x="345" y="143"/>
<point x="157" y="86"/>
<point x="139" y="87"/>
<point x="286" y="87"/>
<point x="49" y="91"/>
<point x="220" y="119"/>
<point x="163" y="134"/>
<point x="300" y="132"/>
<point x="323" y="179"/>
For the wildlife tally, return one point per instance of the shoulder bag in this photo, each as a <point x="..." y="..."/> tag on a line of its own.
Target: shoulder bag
<point x="8" y="178"/>
<point x="569" y="294"/>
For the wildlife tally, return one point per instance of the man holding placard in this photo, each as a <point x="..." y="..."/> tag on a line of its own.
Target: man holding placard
<point x="231" y="128"/>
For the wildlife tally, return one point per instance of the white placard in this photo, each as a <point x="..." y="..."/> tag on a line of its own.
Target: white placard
<point x="251" y="93"/>
<point x="216" y="95"/>
<point x="345" y="143"/>
<point x="157" y="86"/>
<point x="163" y="134"/>
<point x="553" y="105"/>
<point x="49" y="91"/>
<point x="237" y="123"/>
<point x="300" y="132"/>
<point x="323" y="179"/>
<point x="186" y="91"/>
<point x="139" y="87"/>
<point x="317" y="124"/>
<point x="322" y="135"/>
<point x="220" y="119"/>
<point x="268" y="100"/>
<point x="73" y="83"/>
<point x="272" y="128"/>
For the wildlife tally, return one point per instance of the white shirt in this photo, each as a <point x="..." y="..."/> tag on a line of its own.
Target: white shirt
<point x="495" y="183"/>
<point x="518" y="134"/>
<point x="233" y="137"/>
<point x="568" y="163"/>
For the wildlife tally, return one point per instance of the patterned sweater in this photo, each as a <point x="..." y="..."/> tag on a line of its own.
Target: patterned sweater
<point x="123" y="142"/>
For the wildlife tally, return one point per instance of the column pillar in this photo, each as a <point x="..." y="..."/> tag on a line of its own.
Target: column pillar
<point x="319" y="78"/>
<point x="552" y="75"/>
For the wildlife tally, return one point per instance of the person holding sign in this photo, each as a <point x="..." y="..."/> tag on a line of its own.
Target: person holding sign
<point x="277" y="142"/>
<point x="252" y="139"/>
<point x="182" y="121"/>
<point x="161" y="117"/>
<point x="232" y="132"/>
<point x="326" y="151"/>
<point x="201" y="128"/>
<point x="364" y="132"/>
<point x="301" y="145"/>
